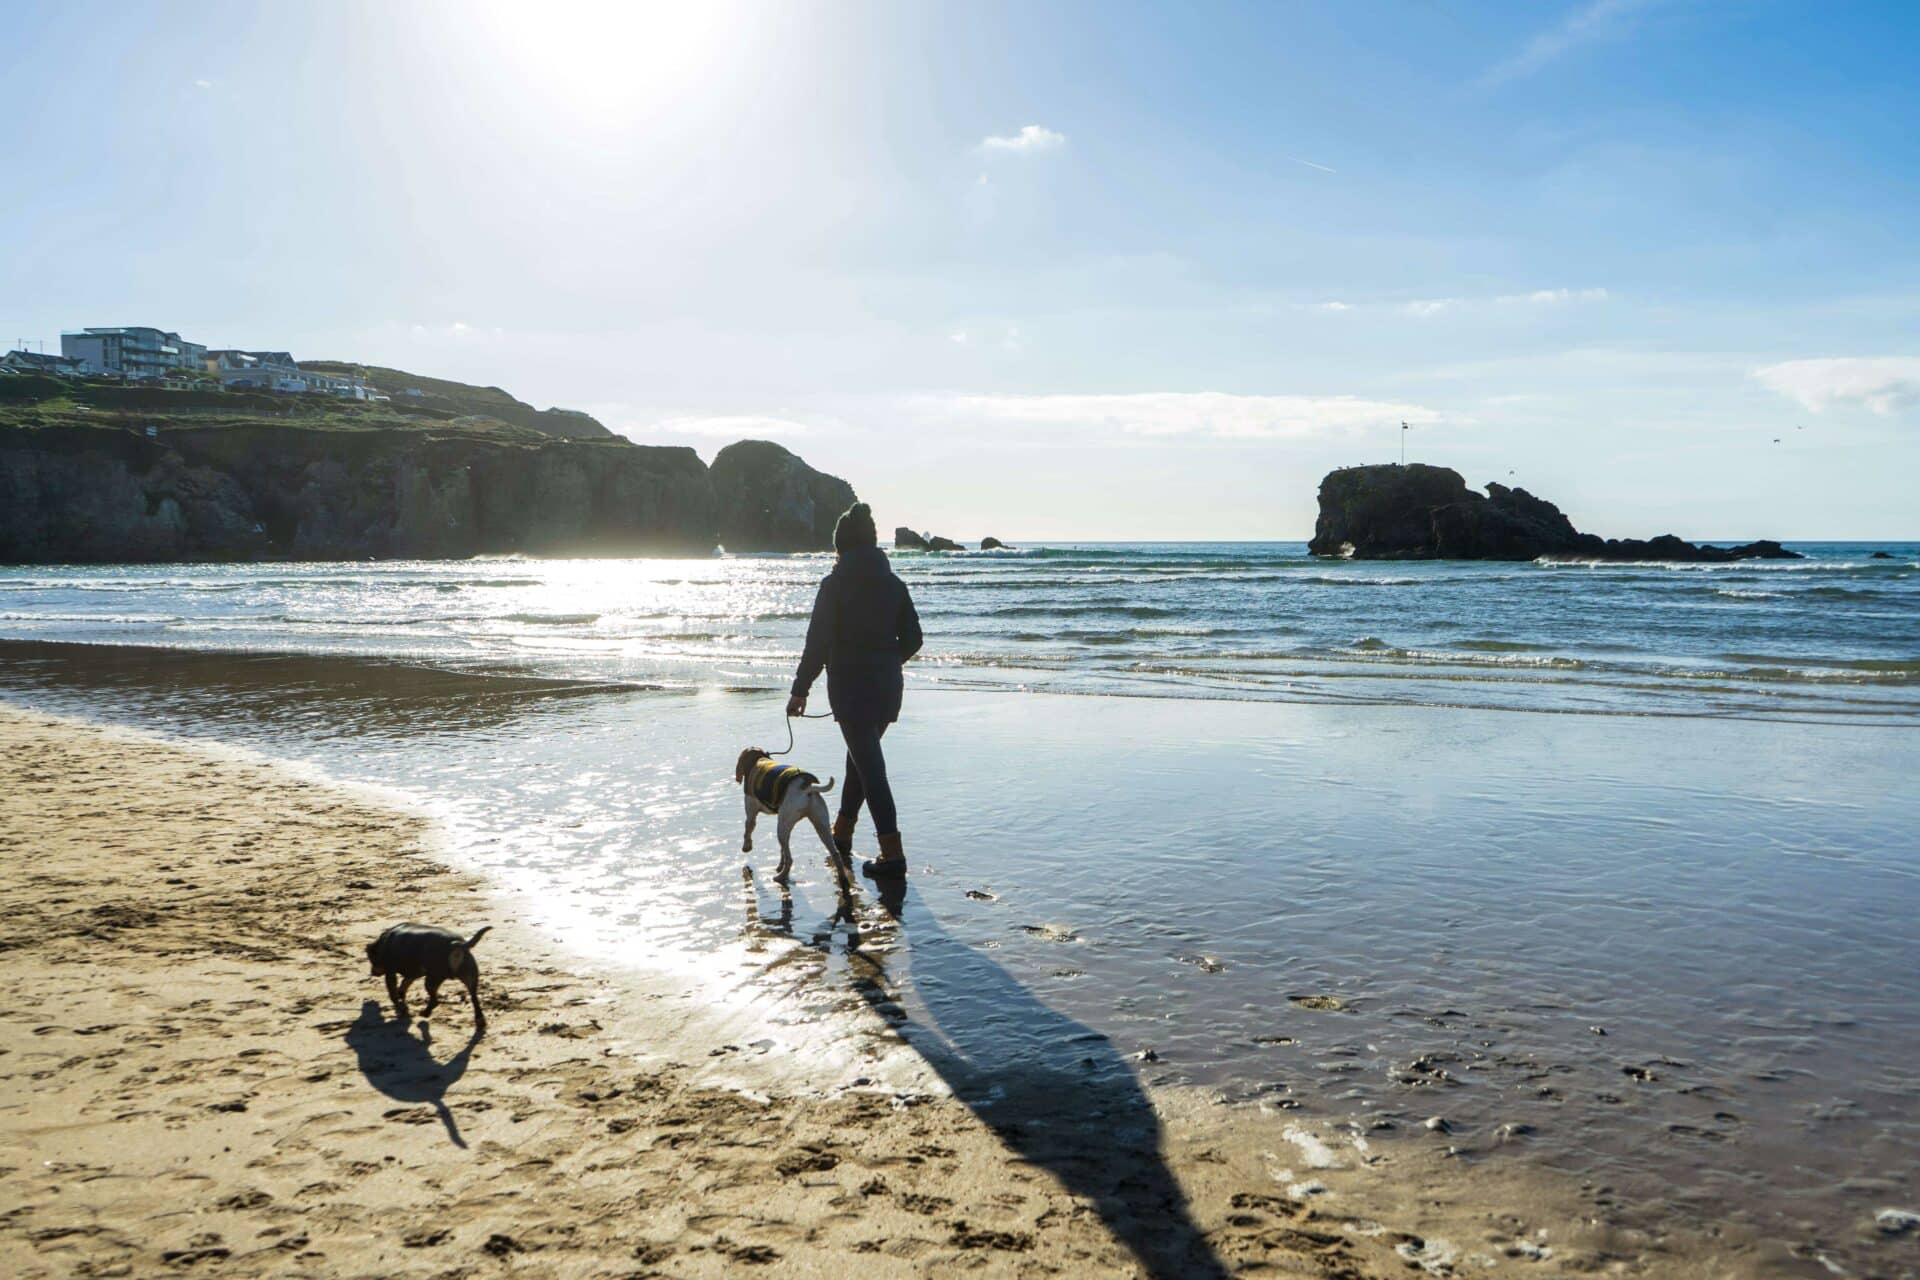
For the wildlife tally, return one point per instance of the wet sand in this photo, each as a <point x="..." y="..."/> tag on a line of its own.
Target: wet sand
<point x="196" y="1074"/>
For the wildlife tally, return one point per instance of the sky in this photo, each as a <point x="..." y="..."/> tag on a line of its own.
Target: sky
<point x="1103" y="270"/>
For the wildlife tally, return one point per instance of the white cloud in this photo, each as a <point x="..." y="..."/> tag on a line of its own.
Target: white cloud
<point x="1425" y="307"/>
<point x="1884" y="384"/>
<point x="1590" y="23"/>
<point x="1551" y="296"/>
<point x="959" y="336"/>
<point x="1031" y="140"/>
<point x="1211" y="413"/>
<point x="745" y="426"/>
<point x="1335" y="306"/>
<point x="203" y="84"/>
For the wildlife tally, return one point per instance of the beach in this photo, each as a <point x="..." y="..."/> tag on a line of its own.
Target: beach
<point x="199" y="1076"/>
<point x="198" y="1065"/>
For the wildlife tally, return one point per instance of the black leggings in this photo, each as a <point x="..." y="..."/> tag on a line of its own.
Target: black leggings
<point x="867" y="777"/>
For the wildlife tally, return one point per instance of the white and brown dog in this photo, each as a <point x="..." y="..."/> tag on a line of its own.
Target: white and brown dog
<point x="787" y="792"/>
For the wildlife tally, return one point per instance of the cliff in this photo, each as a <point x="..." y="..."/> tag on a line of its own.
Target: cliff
<point x="271" y="491"/>
<point x="1420" y="512"/>
<point x="767" y="499"/>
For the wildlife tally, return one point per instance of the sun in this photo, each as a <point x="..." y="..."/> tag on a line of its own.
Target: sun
<point x="609" y="61"/>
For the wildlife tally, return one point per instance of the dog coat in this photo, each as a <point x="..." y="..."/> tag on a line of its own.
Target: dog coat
<point x="770" y="781"/>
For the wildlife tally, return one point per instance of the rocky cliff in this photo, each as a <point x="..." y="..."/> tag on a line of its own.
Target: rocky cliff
<point x="767" y="499"/>
<point x="1420" y="512"/>
<point x="99" y="472"/>
<point x="269" y="491"/>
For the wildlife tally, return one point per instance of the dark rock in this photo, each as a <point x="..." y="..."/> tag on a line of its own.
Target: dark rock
<point x="905" y="539"/>
<point x="993" y="544"/>
<point x="767" y="499"/>
<point x="1880" y="555"/>
<point x="263" y="491"/>
<point x="1420" y="512"/>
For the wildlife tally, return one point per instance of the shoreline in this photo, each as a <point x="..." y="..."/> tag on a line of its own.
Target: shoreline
<point x="201" y="1092"/>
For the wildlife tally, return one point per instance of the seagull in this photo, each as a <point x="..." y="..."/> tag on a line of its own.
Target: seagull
<point x="1776" y="439"/>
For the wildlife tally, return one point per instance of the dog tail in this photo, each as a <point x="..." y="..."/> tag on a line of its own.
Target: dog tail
<point x="821" y="788"/>
<point x="484" y="930"/>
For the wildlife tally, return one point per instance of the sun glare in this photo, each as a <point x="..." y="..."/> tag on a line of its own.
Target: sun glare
<point x="608" y="60"/>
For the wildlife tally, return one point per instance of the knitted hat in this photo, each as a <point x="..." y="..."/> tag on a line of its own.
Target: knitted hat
<point x="854" y="530"/>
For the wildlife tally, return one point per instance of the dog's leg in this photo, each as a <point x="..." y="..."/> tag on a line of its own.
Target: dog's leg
<point x="817" y="815"/>
<point x="433" y="997"/>
<point x="393" y="994"/>
<point x="471" y="977"/>
<point x="753" y="816"/>
<point x="787" y="818"/>
<point x="400" y="1000"/>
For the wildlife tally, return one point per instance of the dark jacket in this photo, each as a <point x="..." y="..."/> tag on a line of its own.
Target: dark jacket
<point x="864" y="627"/>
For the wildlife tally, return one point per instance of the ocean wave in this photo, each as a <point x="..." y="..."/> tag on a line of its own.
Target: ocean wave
<point x="552" y="619"/>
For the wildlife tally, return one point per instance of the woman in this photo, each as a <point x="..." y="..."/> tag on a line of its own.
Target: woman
<point x="863" y="628"/>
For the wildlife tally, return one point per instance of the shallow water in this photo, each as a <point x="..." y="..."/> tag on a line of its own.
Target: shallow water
<point x="1672" y="957"/>
<point x="1834" y="635"/>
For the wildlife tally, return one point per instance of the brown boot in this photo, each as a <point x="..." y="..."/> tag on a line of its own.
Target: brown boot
<point x="843" y="834"/>
<point x="891" y="861"/>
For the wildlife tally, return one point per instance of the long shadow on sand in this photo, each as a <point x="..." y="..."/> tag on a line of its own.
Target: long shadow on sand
<point x="402" y="1066"/>
<point x="1053" y="1089"/>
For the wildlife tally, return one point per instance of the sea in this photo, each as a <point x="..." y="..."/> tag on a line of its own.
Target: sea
<point x="1835" y="636"/>
<point x="1612" y="867"/>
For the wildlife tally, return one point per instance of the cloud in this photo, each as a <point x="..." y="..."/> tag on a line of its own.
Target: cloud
<point x="1172" y="413"/>
<point x="1311" y="165"/>
<point x="1335" y="306"/>
<point x="1549" y="297"/>
<point x="1031" y="140"/>
<point x="203" y="84"/>
<point x="1427" y="307"/>
<point x="1590" y="23"/>
<point x="1884" y="384"/>
<point x="744" y="426"/>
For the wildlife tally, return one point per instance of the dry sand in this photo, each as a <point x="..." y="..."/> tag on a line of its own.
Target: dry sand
<point x="197" y="1075"/>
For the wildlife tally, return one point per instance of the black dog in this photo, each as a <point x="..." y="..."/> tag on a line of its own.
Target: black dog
<point x="409" y="951"/>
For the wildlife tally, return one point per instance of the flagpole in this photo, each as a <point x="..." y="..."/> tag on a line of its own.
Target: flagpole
<point x="1403" y="444"/>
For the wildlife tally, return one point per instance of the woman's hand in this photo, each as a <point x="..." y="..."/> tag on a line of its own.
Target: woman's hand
<point x="797" y="705"/>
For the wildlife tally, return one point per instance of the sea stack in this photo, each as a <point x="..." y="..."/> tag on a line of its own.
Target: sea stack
<point x="1420" y="512"/>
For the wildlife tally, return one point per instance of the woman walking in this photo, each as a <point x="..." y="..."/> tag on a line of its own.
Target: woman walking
<point x="864" y="628"/>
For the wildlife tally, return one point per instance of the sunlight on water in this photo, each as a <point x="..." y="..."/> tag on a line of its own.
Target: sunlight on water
<point x="1837" y="634"/>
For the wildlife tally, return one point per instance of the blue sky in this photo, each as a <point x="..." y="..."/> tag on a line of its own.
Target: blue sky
<point x="1097" y="270"/>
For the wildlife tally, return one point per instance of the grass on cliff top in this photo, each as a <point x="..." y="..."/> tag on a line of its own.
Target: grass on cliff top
<point x="333" y="416"/>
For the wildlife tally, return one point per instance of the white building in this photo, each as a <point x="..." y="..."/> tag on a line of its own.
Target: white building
<point x="278" y="371"/>
<point x="133" y="351"/>
<point x="41" y="362"/>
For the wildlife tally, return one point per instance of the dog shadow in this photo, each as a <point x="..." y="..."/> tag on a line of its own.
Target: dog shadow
<point x="403" y="1067"/>
<point x="1054" y="1090"/>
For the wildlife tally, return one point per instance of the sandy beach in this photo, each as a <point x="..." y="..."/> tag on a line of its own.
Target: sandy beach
<point x="199" y="1076"/>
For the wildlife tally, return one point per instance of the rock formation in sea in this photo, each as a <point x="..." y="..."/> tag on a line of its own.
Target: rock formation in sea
<point x="767" y="499"/>
<point x="93" y="474"/>
<point x="905" y="539"/>
<point x="1420" y="512"/>
<point x="993" y="544"/>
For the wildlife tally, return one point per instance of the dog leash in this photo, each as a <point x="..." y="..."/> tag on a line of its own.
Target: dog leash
<point x="790" y="719"/>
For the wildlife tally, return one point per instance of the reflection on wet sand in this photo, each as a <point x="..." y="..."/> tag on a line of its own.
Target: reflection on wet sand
<point x="317" y="698"/>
